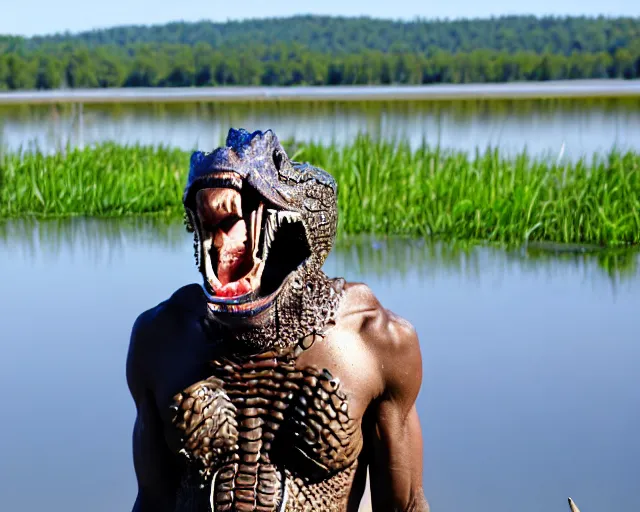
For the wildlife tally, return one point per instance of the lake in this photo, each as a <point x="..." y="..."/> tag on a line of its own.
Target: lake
<point x="530" y="390"/>
<point x="559" y="129"/>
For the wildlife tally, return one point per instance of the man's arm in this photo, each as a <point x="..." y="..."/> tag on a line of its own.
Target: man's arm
<point x="152" y="459"/>
<point x="395" y="461"/>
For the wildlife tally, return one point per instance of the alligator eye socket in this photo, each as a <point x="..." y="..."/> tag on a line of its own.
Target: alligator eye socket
<point x="277" y="159"/>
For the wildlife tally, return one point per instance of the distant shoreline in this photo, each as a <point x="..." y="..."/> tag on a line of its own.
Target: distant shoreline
<point x="566" y="89"/>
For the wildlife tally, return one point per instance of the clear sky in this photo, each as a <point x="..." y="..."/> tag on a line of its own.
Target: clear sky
<point x="29" y="17"/>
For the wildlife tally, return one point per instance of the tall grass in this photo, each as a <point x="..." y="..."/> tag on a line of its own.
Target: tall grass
<point x="387" y="188"/>
<point x="384" y="188"/>
<point x="108" y="180"/>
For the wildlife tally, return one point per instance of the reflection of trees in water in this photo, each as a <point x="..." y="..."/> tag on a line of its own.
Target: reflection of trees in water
<point x="228" y="111"/>
<point x="409" y="258"/>
<point x="96" y="239"/>
<point x="205" y="124"/>
<point x="616" y="263"/>
<point x="392" y="259"/>
<point x="397" y="257"/>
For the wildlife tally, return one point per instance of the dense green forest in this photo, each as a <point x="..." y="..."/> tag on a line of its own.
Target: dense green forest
<point x="339" y="35"/>
<point x="313" y="50"/>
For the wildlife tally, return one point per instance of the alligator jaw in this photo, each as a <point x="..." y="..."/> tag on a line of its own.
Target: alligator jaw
<point x="237" y="237"/>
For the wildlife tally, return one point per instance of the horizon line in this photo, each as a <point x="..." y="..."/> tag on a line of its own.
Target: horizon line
<point x="522" y="90"/>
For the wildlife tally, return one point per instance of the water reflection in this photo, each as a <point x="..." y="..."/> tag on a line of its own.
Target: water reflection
<point x="106" y="241"/>
<point x="566" y="128"/>
<point x="529" y="362"/>
<point x="100" y="241"/>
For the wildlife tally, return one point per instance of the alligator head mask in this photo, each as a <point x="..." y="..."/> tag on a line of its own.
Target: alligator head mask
<point x="263" y="226"/>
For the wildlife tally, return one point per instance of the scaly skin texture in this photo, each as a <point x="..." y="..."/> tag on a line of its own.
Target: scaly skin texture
<point x="282" y="402"/>
<point x="255" y="416"/>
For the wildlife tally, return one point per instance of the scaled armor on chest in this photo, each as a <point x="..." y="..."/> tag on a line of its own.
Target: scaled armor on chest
<point x="252" y="417"/>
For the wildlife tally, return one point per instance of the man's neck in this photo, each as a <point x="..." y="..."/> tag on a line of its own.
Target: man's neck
<point x="307" y="305"/>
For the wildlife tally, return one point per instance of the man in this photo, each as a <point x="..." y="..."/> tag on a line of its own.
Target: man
<point x="271" y="387"/>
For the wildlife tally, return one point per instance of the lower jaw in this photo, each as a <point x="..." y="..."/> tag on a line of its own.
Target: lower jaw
<point x="242" y="307"/>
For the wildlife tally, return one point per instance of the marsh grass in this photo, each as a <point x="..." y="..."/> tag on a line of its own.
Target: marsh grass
<point x="387" y="188"/>
<point x="384" y="188"/>
<point x="104" y="181"/>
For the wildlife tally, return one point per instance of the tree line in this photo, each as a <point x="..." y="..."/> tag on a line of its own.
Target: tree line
<point x="185" y="66"/>
<point x="341" y="35"/>
<point x="312" y="50"/>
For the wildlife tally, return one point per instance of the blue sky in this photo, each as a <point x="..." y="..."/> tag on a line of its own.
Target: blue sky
<point x="29" y="17"/>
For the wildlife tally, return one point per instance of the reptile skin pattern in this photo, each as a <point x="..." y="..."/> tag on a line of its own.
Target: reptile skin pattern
<point x="258" y="415"/>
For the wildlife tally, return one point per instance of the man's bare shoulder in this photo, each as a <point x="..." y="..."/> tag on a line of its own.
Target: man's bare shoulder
<point x="154" y="325"/>
<point x="361" y="306"/>
<point x="392" y="339"/>
<point x="166" y="313"/>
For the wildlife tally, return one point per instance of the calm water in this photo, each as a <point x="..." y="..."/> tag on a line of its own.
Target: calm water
<point x="530" y="390"/>
<point x="560" y="129"/>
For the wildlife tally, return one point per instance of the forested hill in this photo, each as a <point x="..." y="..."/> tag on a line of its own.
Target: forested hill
<point x="313" y="50"/>
<point x="339" y="35"/>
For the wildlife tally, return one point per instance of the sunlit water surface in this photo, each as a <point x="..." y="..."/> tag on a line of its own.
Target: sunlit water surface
<point x="562" y="130"/>
<point x="530" y="390"/>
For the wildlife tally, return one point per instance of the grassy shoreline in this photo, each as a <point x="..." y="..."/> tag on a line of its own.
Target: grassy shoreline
<point x="384" y="188"/>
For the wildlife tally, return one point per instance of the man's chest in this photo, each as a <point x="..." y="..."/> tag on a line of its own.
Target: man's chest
<point x="254" y="424"/>
<point x="268" y="410"/>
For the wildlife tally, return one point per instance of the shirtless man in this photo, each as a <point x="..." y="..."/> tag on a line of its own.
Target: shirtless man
<point x="271" y="387"/>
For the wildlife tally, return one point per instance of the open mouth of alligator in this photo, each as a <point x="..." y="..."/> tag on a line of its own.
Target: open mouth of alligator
<point x="249" y="247"/>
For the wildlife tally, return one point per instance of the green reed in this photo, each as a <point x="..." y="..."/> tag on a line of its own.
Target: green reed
<point x="384" y="188"/>
<point x="388" y="188"/>
<point x="108" y="180"/>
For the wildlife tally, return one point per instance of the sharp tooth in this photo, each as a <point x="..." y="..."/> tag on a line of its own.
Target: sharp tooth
<point x="271" y="229"/>
<point x="211" y="275"/>
<point x="251" y="228"/>
<point x="265" y="247"/>
<point x="287" y="217"/>
<point x="206" y="248"/>
<point x="274" y="219"/>
<point x="269" y="232"/>
<point x="257" y="226"/>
